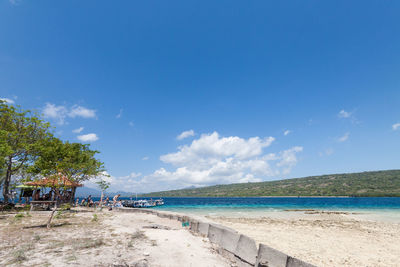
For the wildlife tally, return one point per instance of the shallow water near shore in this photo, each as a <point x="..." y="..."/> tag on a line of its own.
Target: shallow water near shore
<point x="370" y="208"/>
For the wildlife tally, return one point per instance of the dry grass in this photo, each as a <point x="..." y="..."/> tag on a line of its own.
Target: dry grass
<point x="85" y="243"/>
<point x="135" y="237"/>
<point x="41" y="244"/>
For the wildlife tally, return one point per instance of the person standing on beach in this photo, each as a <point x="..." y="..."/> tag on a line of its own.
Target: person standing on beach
<point x="115" y="199"/>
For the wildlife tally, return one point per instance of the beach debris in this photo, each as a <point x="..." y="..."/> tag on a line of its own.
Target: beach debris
<point x="328" y="212"/>
<point x="140" y="263"/>
<point x="117" y="264"/>
<point x="157" y="226"/>
<point x="146" y="253"/>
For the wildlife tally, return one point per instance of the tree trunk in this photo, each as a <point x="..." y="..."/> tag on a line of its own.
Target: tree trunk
<point x="101" y="200"/>
<point x="51" y="216"/>
<point x="57" y="198"/>
<point x="6" y="184"/>
<point x="71" y="201"/>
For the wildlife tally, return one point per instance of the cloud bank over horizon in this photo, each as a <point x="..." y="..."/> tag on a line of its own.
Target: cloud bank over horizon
<point x="213" y="159"/>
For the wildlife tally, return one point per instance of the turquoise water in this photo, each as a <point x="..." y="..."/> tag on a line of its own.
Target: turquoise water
<point x="388" y="208"/>
<point x="325" y="203"/>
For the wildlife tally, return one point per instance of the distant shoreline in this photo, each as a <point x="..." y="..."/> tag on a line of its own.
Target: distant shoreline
<point x="158" y="196"/>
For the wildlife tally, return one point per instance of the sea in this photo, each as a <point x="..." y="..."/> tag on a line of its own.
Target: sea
<point x="386" y="208"/>
<point x="375" y="208"/>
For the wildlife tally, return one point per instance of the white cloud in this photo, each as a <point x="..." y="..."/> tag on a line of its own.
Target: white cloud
<point x="344" y="138"/>
<point x="213" y="159"/>
<point x="286" y="132"/>
<point x="57" y="113"/>
<point x="92" y="137"/>
<point x="344" y="114"/>
<point x="79" y="130"/>
<point x="129" y="183"/>
<point x="119" y="114"/>
<point x="185" y="134"/>
<point x="145" y="158"/>
<point x="288" y="159"/>
<point x="131" y="123"/>
<point x="60" y="113"/>
<point x="132" y="175"/>
<point x="8" y="101"/>
<point x="396" y="126"/>
<point x="79" y="111"/>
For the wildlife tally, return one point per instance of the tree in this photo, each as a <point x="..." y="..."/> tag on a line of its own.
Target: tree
<point x="21" y="137"/>
<point x="103" y="185"/>
<point x="75" y="161"/>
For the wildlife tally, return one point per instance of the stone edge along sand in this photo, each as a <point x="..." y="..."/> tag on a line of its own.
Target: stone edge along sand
<point x="236" y="246"/>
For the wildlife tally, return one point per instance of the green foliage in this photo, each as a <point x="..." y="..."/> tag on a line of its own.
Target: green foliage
<point x="65" y="207"/>
<point x="19" y="216"/>
<point x="21" y="137"/>
<point x="103" y="185"/>
<point x="95" y="218"/>
<point x="59" y="214"/>
<point x="74" y="160"/>
<point x="27" y="148"/>
<point x="364" y="184"/>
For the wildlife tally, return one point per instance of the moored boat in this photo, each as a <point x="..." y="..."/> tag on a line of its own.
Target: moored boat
<point x="142" y="203"/>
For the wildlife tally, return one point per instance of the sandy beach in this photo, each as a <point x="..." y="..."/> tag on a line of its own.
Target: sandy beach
<point x="324" y="238"/>
<point x="86" y="238"/>
<point x="89" y="238"/>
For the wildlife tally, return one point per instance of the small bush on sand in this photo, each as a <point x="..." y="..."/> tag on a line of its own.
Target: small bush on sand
<point x="95" y="218"/>
<point x="89" y="243"/>
<point x="66" y="206"/>
<point x="36" y="237"/>
<point x="19" y="216"/>
<point x="59" y="215"/>
<point x="19" y="256"/>
<point x="138" y="235"/>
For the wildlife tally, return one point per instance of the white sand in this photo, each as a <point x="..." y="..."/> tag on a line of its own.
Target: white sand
<point x="325" y="239"/>
<point x="115" y="239"/>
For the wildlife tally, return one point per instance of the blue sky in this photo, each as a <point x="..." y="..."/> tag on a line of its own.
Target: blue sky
<point x="235" y="76"/>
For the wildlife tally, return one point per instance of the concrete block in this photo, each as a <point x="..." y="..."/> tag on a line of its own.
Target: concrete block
<point x="203" y="228"/>
<point x="194" y="226"/>
<point x="270" y="257"/>
<point x="293" y="262"/>
<point x="215" y="233"/>
<point x="229" y="240"/>
<point x="246" y="249"/>
<point x="237" y="262"/>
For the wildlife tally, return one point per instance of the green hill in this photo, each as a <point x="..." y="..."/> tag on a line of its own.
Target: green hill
<point x="363" y="184"/>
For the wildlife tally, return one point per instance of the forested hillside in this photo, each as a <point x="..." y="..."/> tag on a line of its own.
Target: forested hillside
<point x="376" y="183"/>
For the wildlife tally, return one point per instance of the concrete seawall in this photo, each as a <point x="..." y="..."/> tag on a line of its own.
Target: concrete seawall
<point x="238" y="247"/>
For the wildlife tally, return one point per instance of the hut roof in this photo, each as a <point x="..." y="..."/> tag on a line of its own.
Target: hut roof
<point x="59" y="181"/>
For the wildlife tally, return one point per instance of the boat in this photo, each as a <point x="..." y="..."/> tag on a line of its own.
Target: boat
<point x="142" y="203"/>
